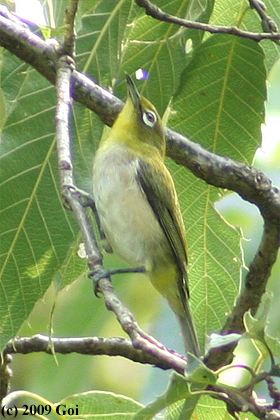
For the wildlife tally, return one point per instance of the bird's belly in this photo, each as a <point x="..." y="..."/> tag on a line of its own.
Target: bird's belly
<point x="127" y="218"/>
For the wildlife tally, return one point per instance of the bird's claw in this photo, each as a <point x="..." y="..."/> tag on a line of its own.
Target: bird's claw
<point x="101" y="273"/>
<point x="97" y="275"/>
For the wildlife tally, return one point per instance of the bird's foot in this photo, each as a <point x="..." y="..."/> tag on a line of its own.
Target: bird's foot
<point x="101" y="273"/>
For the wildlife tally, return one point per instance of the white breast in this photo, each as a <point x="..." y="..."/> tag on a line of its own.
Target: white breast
<point x="125" y="215"/>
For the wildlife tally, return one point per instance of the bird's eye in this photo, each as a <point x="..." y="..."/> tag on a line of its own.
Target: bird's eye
<point x="149" y="118"/>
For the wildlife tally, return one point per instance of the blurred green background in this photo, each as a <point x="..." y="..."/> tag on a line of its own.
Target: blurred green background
<point x="75" y="305"/>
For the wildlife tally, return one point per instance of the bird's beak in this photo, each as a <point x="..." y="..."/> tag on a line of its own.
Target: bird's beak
<point x="133" y="92"/>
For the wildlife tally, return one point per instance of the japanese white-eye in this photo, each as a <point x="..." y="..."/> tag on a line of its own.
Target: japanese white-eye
<point x="138" y="207"/>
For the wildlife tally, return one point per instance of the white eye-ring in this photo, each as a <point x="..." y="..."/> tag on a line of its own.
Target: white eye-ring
<point x="149" y="118"/>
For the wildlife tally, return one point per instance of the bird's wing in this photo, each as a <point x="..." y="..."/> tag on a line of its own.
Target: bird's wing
<point x="159" y="189"/>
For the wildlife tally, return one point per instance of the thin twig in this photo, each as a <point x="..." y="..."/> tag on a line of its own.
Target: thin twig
<point x="157" y="13"/>
<point x="256" y="279"/>
<point x="254" y="287"/>
<point x="268" y="23"/>
<point x="251" y="184"/>
<point x="140" y="340"/>
<point x="216" y="170"/>
<point x="71" y="194"/>
<point x="70" y="36"/>
<point x="238" y="402"/>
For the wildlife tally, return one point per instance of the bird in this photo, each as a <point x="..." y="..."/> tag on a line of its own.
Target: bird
<point x="138" y="207"/>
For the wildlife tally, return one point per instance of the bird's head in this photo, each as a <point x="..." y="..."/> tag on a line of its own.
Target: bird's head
<point x="139" y="124"/>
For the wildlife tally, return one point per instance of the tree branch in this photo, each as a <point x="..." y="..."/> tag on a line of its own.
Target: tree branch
<point x="91" y="346"/>
<point x="250" y="297"/>
<point x="256" y="280"/>
<point x="250" y="183"/>
<point x="157" y="13"/>
<point x="5" y="374"/>
<point x="253" y="186"/>
<point x="223" y="172"/>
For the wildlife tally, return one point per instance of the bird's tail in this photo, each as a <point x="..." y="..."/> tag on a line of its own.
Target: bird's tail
<point x="177" y="296"/>
<point x="188" y="331"/>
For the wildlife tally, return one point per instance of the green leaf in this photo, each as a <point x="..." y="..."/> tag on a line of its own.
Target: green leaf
<point x="208" y="408"/>
<point x="55" y="13"/>
<point x="256" y="325"/>
<point x="97" y="405"/>
<point x="220" y="101"/>
<point x="198" y="373"/>
<point x="220" y="104"/>
<point x="256" y="331"/>
<point x="213" y="409"/>
<point x="160" y="49"/>
<point x="238" y="13"/>
<point x="38" y="237"/>
<point x="100" y="40"/>
<point x="223" y="87"/>
<point x="180" y="388"/>
<point x="214" y="254"/>
<point x="218" y="340"/>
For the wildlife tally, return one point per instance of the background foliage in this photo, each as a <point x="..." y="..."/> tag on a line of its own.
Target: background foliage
<point x="211" y="88"/>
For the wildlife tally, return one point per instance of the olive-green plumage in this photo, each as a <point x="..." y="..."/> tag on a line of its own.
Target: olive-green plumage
<point x="138" y="206"/>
